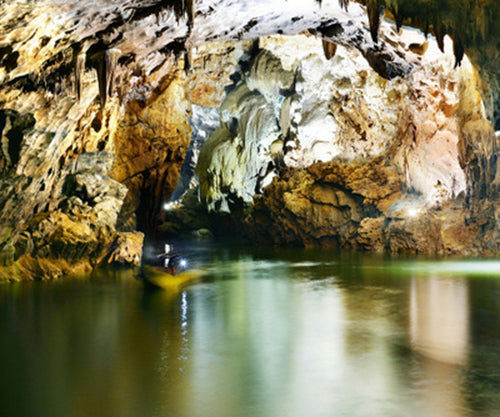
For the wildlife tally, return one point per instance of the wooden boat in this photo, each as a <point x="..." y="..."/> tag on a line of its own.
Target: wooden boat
<point x="159" y="278"/>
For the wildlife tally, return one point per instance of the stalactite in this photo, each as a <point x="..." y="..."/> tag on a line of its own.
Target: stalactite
<point x="399" y="17"/>
<point x="178" y="7"/>
<point x="439" y="31"/>
<point x="458" y="50"/>
<point x="101" y="77"/>
<point x="329" y="48"/>
<point x="106" y="65"/>
<point x="344" y="4"/>
<point x="79" y="71"/>
<point x="374" y="9"/>
<point x="426" y="28"/>
<point x="111" y="58"/>
<point x="190" y="10"/>
<point x="187" y="61"/>
<point x="394" y="8"/>
<point x="184" y="8"/>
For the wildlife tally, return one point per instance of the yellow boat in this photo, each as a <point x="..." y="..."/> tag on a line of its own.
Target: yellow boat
<point x="159" y="278"/>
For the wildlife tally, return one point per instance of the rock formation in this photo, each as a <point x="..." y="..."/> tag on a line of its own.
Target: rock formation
<point x="150" y="144"/>
<point x="96" y="113"/>
<point x="79" y="234"/>
<point x="355" y="160"/>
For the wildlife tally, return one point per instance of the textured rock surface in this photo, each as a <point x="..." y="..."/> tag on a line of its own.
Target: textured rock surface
<point x="233" y="161"/>
<point x="150" y="144"/>
<point x="349" y="205"/>
<point x="78" y="80"/>
<point x="324" y="204"/>
<point x="79" y="233"/>
<point x="361" y="161"/>
<point x="7" y="247"/>
<point x="293" y="108"/>
<point x="126" y="249"/>
<point x="212" y="67"/>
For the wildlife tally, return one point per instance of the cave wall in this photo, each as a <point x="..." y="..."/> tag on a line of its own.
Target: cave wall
<point x="94" y="111"/>
<point x="309" y="109"/>
<point x="79" y="177"/>
<point x="74" y="172"/>
<point x="150" y="144"/>
<point x="328" y="152"/>
<point x="59" y="206"/>
<point x="81" y="172"/>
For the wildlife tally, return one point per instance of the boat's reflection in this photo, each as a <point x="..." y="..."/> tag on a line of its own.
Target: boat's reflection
<point x="168" y="314"/>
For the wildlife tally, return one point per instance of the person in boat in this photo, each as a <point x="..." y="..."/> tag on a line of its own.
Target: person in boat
<point x="173" y="262"/>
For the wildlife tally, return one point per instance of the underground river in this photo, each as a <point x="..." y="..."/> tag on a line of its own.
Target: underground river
<point x="268" y="333"/>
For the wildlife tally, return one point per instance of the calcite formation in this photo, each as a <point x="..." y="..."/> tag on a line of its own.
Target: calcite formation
<point x="355" y="160"/>
<point x="312" y="110"/>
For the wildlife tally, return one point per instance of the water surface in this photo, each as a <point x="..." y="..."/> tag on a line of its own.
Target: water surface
<point x="268" y="333"/>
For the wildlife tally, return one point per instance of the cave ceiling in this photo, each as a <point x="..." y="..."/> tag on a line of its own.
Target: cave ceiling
<point x="44" y="43"/>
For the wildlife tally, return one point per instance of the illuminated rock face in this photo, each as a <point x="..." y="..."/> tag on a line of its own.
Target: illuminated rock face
<point x="234" y="162"/>
<point x="314" y="110"/>
<point x="150" y="143"/>
<point x="76" y="81"/>
<point x="357" y="160"/>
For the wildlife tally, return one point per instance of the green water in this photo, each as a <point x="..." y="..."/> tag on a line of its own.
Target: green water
<point x="268" y="333"/>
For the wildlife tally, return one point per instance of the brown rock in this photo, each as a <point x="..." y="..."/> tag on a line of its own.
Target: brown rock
<point x="151" y="140"/>
<point x="420" y="234"/>
<point x="371" y="235"/>
<point x="7" y="248"/>
<point x="212" y="68"/>
<point x="126" y="249"/>
<point x="379" y="184"/>
<point x="324" y="204"/>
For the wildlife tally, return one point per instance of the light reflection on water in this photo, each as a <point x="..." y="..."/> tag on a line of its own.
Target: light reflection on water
<point x="439" y="319"/>
<point x="296" y="333"/>
<point x="470" y="268"/>
<point x="439" y="330"/>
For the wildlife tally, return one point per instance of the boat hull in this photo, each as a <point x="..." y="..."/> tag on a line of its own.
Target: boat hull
<point x="159" y="278"/>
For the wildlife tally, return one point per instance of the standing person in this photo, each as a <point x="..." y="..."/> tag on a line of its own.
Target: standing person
<point x="172" y="264"/>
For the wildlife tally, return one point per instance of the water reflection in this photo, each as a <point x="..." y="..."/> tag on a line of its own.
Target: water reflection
<point x="74" y="349"/>
<point x="439" y="318"/>
<point x="439" y="330"/>
<point x="305" y="335"/>
<point x="166" y="315"/>
<point x="241" y="343"/>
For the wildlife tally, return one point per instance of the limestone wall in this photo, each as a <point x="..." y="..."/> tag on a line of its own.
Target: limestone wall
<point x="352" y="159"/>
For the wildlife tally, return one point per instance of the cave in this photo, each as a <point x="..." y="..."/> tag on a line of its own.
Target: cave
<point x="257" y="209"/>
<point x="361" y="125"/>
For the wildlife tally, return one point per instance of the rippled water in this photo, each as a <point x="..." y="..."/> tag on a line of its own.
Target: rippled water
<point x="268" y="333"/>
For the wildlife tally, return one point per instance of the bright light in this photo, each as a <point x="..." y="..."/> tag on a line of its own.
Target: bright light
<point x="183" y="263"/>
<point x="485" y="267"/>
<point x="412" y="212"/>
<point x="170" y="205"/>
